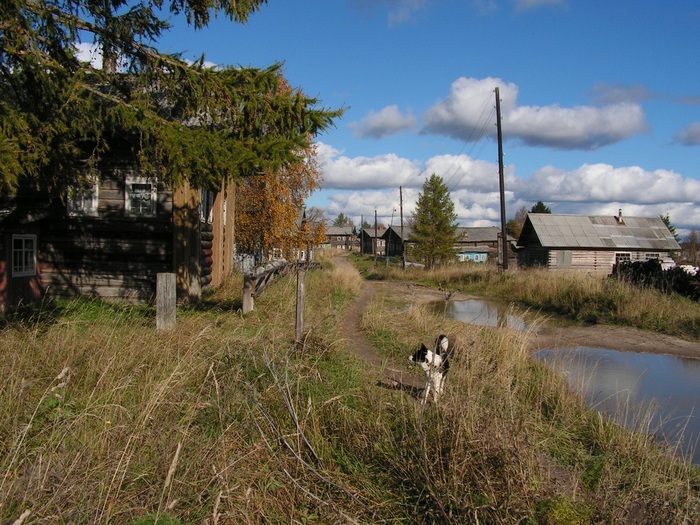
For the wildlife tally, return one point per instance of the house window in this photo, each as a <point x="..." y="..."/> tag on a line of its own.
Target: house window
<point x="206" y="207"/>
<point x="140" y="197"/>
<point x="622" y="258"/>
<point x="82" y="202"/>
<point x="23" y="255"/>
<point x="651" y="256"/>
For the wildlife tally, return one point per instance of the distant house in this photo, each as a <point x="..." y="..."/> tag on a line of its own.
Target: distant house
<point x="340" y="237"/>
<point x="111" y="240"/>
<point x="481" y="244"/>
<point x="369" y="244"/>
<point x="592" y="243"/>
<point x="476" y="254"/>
<point x="394" y="241"/>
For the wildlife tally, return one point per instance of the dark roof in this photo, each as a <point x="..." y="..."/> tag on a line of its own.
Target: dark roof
<point x="598" y="231"/>
<point x="370" y="232"/>
<point x="407" y="231"/>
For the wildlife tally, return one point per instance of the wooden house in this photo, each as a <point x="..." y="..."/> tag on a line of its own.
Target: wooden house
<point x="340" y="237"/>
<point x="111" y="240"/>
<point x="371" y="243"/>
<point x="482" y="244"/>
<point x="592" y="243"/>
<point x="394" y="240"/>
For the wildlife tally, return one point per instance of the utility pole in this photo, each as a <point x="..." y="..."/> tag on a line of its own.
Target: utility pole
<point x="362" y="231"/>
<point x="403" y="244"/>
<point x="375" y="237"/>
<point x="504" y="237"/>
<point x="388" y="236"/>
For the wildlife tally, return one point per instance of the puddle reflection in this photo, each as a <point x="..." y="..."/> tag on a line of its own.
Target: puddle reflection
<point x="623" y="385"/>
<point x="628" y="385"/>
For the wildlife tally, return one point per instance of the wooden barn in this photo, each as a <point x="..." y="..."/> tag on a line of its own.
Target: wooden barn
<point x="592" y="243"/>
<point x="112" y="239"/>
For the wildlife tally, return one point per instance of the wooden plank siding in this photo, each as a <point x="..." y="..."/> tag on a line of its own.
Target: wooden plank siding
<point x="589" y="261"/>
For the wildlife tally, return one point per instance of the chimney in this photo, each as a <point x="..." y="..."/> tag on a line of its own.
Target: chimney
<point x="619" y="217"/>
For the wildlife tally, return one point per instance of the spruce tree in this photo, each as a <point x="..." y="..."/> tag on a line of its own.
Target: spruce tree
<point x="434" y="226"/>
<point x="540" y="207"/>
<point x="180" y="121"/>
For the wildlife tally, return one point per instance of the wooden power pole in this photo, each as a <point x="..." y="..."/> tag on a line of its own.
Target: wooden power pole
<point x="403" y="244"/>
<point x="504" y="237"/>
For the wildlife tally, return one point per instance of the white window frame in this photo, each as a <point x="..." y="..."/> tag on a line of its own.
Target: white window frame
<point x="83" y="202"/>
<point x="23" y="266"/>
<point x="129" y="193"/>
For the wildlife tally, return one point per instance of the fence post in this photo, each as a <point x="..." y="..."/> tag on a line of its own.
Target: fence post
<point x="248" y="301"/>
<point x="166" y="298"/>
<point x="300" y="306"/>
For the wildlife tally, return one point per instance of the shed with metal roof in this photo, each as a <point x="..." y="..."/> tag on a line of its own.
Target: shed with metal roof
<point x="592" y="243"/>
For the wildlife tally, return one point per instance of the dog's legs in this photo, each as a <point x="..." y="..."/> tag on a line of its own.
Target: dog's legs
<point x="426" y="392"/>
<point x="437" y="386"/>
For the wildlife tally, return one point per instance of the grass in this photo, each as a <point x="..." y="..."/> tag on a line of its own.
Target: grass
<point x="224" y="420"/>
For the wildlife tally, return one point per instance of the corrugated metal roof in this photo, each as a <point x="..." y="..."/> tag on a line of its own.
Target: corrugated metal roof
<point x="600" y="231"/>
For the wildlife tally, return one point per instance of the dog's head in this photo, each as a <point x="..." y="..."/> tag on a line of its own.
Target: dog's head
<point x="420" y="355"/>
<point x="436" y="358"/>
<point x="427" y="359"/>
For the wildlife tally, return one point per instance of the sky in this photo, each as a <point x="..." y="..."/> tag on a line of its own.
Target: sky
<point x="600" y="100"/>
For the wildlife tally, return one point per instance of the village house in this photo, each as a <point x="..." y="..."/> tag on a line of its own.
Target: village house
<point x="592" y="243"/>
<point x="481" y="244"/>
<point x="113" y="238"/>
<point x="340" y="237"/>
<point x="371" y="244"/>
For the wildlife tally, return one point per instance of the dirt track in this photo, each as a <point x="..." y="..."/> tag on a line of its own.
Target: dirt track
<point x="602" y="336"/>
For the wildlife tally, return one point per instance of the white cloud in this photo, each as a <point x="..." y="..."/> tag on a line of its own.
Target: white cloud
<point x="690" y="135"/>
<point x="604" y="184"/>
<point x="463" y="115"/>
<point x="89" y="53"/>
<point x="381" y="171"/>
<point x="461" y="171"/>
<point x="387" y="121"/>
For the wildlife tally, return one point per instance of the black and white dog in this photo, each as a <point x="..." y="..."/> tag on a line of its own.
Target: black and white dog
<point x="435" y="363"/>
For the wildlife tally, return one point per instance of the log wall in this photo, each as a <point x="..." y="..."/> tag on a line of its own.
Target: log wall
<point x="112" y="255"/>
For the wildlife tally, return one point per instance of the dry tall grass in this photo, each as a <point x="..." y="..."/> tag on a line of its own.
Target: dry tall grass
<point x="510" y="426"/>
<point x="223" y="420"/>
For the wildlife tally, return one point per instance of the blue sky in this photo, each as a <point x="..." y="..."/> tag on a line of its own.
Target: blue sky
<point x="600" y="100"/>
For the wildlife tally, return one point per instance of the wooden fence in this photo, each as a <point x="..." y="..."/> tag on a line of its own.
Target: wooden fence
<point x="254" y="283"/>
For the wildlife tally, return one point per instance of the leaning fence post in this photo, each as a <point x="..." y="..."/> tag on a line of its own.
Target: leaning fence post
<point x="166" y="298"/>
<point x="248" y="301"/>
